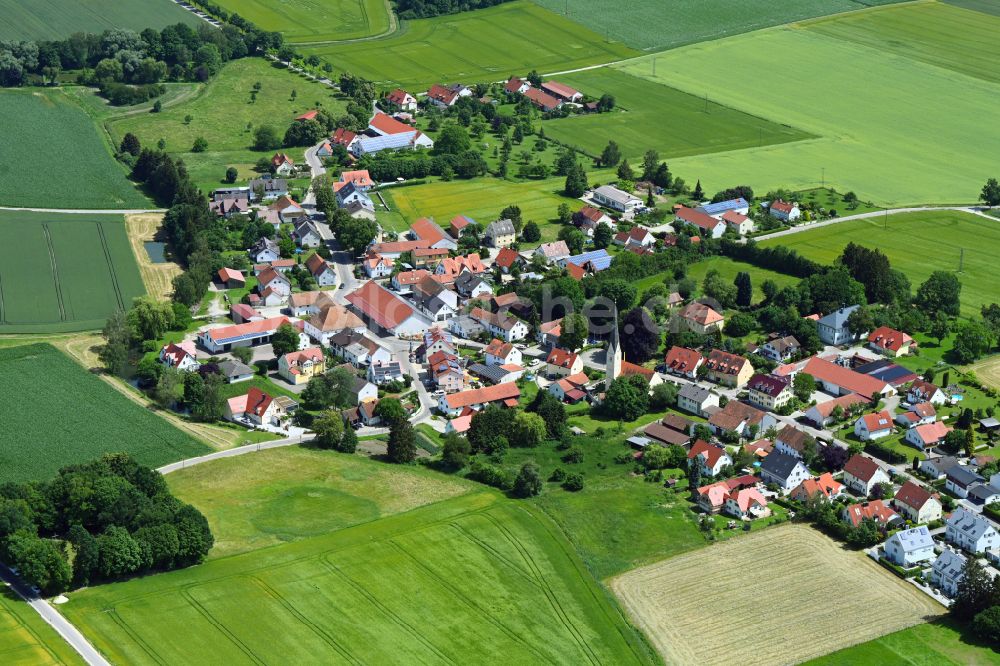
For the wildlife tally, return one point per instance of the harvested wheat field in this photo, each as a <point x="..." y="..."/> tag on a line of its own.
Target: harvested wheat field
<point x="778" y="596"/>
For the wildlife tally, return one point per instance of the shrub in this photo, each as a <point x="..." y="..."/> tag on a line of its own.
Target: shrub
<point x="573" y="482"/>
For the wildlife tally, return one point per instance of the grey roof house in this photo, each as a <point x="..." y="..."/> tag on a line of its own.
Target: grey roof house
<point x="833" y="329"/>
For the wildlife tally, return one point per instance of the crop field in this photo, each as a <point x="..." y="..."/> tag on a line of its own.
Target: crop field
<point x="702" y="607"/>
<point x="63" y="272"/>
<point x="26" y="640"/>
<point x="222" y="113"/>
<point x="917" y="244"/>
<point x="879" y="108"/>
<point x="59" y="413"/>
<point x="315" y="20"/>
<point x="650" y="26"/>
<point x="56" y="19"/>
<point x="484" y="45"/>
<point x="654" y="116"/>
<point x="939" y="643"/>
<point x="53" y="156"/>
<point x="987" y="6"/>
<point x="988" y="371"/>
<point x="293" y="493"/>
<point x="459" y="581"/>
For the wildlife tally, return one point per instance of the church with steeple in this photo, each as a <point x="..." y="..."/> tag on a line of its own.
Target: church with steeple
<point x="613" y="363"/>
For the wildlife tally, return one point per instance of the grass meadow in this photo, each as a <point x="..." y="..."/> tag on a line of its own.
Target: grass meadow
<point x="693" y="617"/>
<point x="460" y="580"/>
<point x="222" y="113"/>
<point x="900" y="123"/>
<point x="59" y="413"/>
<point x="941" y="643"/>
<point x="651" y="116"/>
<point x="315" y="20"/>
<point x="26" y="640"/>
<point x="54" y="157"/>
<point x="63" y="272"/>
<point x="647" y="25"/>
<point x="917" y="244"/>
<point x="57" y="19"/>
<point x="484" y="45"/>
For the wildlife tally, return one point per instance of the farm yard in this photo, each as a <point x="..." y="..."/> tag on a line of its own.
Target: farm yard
<point x="913" y="106"/>
<point x="26" y="640"/>
<point x="819" y="598"/>
<point x="650" y="116"/>
<point x="57" y="19"/>
<point x="63" y="272"/>
<point x="315" y="20"/>
<point x="642" y="24"/>
<point x="291" y="494"/>
<point x="61" y="414"/>
<point x="484" y="45"/>
<point x="74" y="170"/>
<point x="479" y="565"/>
<point x="917" y="244"/>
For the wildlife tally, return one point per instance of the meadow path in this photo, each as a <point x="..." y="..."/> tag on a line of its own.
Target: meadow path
<point x="975" y="210"/>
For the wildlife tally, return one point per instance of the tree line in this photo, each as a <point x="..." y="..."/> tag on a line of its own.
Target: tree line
<point x="103" y="520"/>
<point x="411" y="9"/>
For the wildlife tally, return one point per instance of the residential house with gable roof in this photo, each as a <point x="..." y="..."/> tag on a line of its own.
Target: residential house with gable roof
<point x="740" y="418"/>
<point x="792" y="441"/>
<point x="832" y="328"/>
<point x="824" y="486"/>
<point x="838" y="380"/>
<point x="385" y="312"/>
<point x="299" y="367"/>
<point x="780" y="349"/>
<point x="552" y="252"/>
<point x="501" y="233"/>
<point x="516" y="85"/>
<point x="402" y="99"/>
<point x="542" y="99"/>
<point x="919" y="414"/>
<point x="697" y="400"/>
<point x="890" y="342"/>
<point x="499" y="352"/>
<point x="908" y="548"/>
<point x="588" y="217"/>
<point x="505" y="394"/>
<point x="746" y="504"/>
<point x="330" y="320"/>
<point x="769" y="392"/>
<point x="712" y="458"/>
<point x="611" y="197"/>
<point x="181" y="356"/>
<point x="683" y="362"/>
<point x="821" y="414"/>
<point x="927" y="436"/>
<point x="562" y="363"/>
<point x="738" y="223"/>
<point x="873" y="426"/>
<point x="321" y="271"/>
<point x="947" y="572"/>
<point x="971" y="532"/>
<point x="282" y="164"/>
<point x="571" y="389"/>
<point x="861" y="474"/>
<point x="921" y="391"/>
<point x="937" y="468"/>
<point x="784" y="210"/>
<point x="705" y="224"/>
<point x="264" y="250"/>
<point x="636" y="237"/>
<point x="960" y="479"/>
<point x="720" y="208"/>
<point x="917" y="503"/>
<point x="875" y="510"/>
<point x="702" y="319"/>
<point x="500" y="324"/>
<point x="728" y="369"/>
<point x="783" y="470"/>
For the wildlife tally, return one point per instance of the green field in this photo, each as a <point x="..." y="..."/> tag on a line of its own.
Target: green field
<point x="26" y="640"/>
<point x="63" y="272"/>
<point x="461" y="580"/>
<point x="470" y="47"/>
<point x="881" y="109"/>
<point x="290" y="494"/>
<point x="52" y="156"/>
<point x="59" y="413"/>
<point x="650" y="116"/>
<point x="56" y="19"/>
<point x="935" y="644"/>
<point x="917" y="244"/>
<point x="650" y="25"/>
<point x="315" y="20"/>
<point x="988" y="6"/>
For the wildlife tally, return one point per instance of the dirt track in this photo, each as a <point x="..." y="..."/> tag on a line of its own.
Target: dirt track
<point x="779" y="596"/>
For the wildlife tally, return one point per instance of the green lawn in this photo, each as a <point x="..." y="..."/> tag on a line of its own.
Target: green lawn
<point x="315" y="20"/>
<point x="57" y="19"/>
<point x="285" y="495"/>
<point x="221" y="113"/>
<point x="59" y="413"/>
<point x="409" y="588"/>
<point x="727" y="268"/>
<point x="917" y="244"/>
<point x="63" y="272"/>
<point x="478" y="46"/>
<point x="939" y="643"/>
<point x="643" y="24"/>
<point x="25" y="639"/>
<point x="652" y="116"/>
<point x="54" y="157"/>
<point x="920" y="93"/>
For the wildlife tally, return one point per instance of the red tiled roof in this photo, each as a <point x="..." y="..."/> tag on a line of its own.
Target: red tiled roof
<point x="633" y="369"/>
<point x="701" y="314"/>
<point x="506" y="258"/>
<point x="411" y="277"/>
<point x="783" y="206"/>
<point x="379" y="305"/>
<point x="845" y="402"/>
<point x="317" y="264"/>
<point x="913" y="495"/>
<point x="887" y="338"/>
<point x="360" y="177"/>
<point x="559" y="89"/>
<point x="725" y="363"/>
<point x="236" y="330"/>
<point x="710" y="452"/>
<point x="513" y="84"/>
<point x="561" y="358"/>
<point x="389" y="125"/>
<point x="825" y="485"/>
<point x="426" y="230"/>
<point x="281" y="158"/>
<point x="398" y="96"/>
<point x="825" y="371"/>
<point x="499" y="348"/>
<point x="732" y="217"/>
<point x="257" y="402"/>
<point x="400" y="246"/>
<point x="541" y="99"/>
<point x="308" y="115"/>
<point x="931" y="433"/>
<point x="576" y="272"/>
<point x="875" y="510"/>
<point x="496" y="393"/>
<point x="227" y="274"/>
<point x="342" y="136"/>
<point x="442" y="94"/>
<point x="877" y="421"/>
<point x="697" y="218"/>
<point x="591" y="213"/>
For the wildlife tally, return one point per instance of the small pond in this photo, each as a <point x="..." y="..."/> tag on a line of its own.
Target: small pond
<point x="157" y="251"/>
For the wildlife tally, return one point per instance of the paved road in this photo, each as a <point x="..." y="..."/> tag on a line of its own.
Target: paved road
<point x="89" y="211"/>
<point x="54" y="619"/>
<point x="975" y="210"/>
<point x="229" y="453"/>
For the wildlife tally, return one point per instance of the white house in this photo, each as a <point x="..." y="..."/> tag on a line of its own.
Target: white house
<point x="947" y="572"/>
<point x="509" y="329"/>
<point x="783" y="470"/>
<point x="499" y="352"/>
<point x="181" y="356"/>
<point x="712" y="458"/>
<point x="916" y="503"/>
<point x="861" y="474"/>
<point x="784" y="210"/>
<point x="971" y="532"/>
<point x="921" y="391"/>
<point x="873" y="426"/>
<point x="832" y="328"/>
<point x="265" y="250"/>
<point x="927" y="436"/>
<point x="779" y="350"/>
<point x="321" y="271"/>
<point x="959" y="479"/>
<point x="908" y="548"/>
<point x="376" y="266"/>
<point x="615" y="199"/>
<point x="696" y="399"/>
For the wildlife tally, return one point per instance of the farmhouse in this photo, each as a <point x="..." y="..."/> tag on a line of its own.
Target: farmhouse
<point x="505" y="394"/>
<point x="445" y="96"/>
<point x="728" y="369"/>
<point x="769" y="392"/>
<point x="873" y="426"/>
<point x="671" y="429"/>
<point x="516" y="85"/>
<point x="739" y="418"/>
<point x="738" y="223"/>
<point x="890" y="342"/>
<point x="908" y="548"/>
<point x="785" y="471"/>
<point x="701" y="319"/>
<point x="225" y="338"/>
<point x="838" y="380"/>
<point x="708" y="226"/>
<point x="299" y="367"/>
<point x="793" y="442"/>
<point x="387" y="133"/>
<point x="971" y="532"/>
<point x="542" y="99"/>
<point x="460" y="224"/>
<point x="241" y="313"/>
<point x="615" y="199"/>
<point x="712" y="458"/>
<point x="181" y="356"/>
<point x="331" y="320"/>
<point x="917" y="503"/>
<point x="385" y="312"/>
<point x="424" y="229"/>
<point x="784" y="211"/>
<point x="861" y="474"/>
<point x="683" y="362"/>
<point x="562" y="91"/>
<point x="696" y="399"/>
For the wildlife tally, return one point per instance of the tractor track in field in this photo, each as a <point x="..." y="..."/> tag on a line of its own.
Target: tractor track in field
<point x="111" y="266"/>
<point x="3" y="310"/>
<point x="223" y="629"/>
<point x="55" y="271"/>
<point x="130" y="632"/>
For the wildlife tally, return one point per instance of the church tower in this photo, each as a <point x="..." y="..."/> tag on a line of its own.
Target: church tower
<point x="614" y="356"/>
